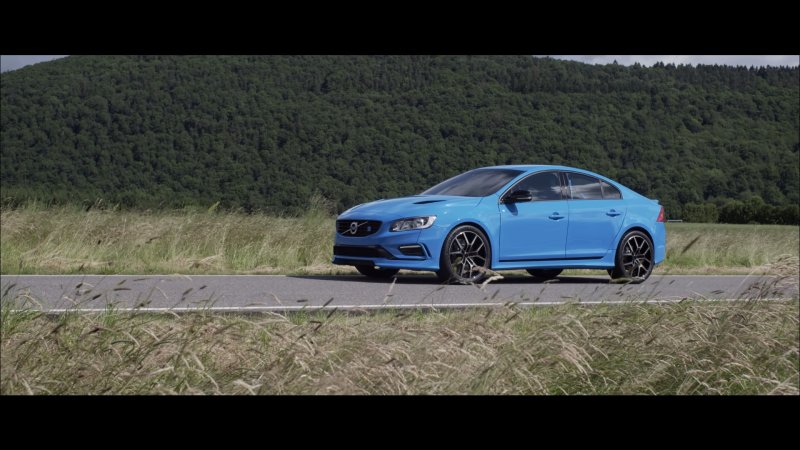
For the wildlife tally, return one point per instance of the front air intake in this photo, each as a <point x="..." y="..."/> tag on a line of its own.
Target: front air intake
<point x="412" y="250"/>
<point x="368" y="251"/>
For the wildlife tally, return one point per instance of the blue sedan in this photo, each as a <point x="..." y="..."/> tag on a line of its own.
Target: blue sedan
<point x="540" y="218"/>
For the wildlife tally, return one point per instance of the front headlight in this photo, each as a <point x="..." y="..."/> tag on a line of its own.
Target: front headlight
<point x="413" y="223"/>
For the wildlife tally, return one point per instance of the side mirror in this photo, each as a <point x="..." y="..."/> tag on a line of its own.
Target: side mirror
<point x="518" y="197"/>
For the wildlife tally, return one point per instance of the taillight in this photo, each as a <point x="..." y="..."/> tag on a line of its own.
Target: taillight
<point x="661" y="217"/>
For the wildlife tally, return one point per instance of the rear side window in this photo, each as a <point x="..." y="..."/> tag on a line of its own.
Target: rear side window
<point x="585" y="188"/>
<point x="542" y="186"/>
<point x="610" y="192"/>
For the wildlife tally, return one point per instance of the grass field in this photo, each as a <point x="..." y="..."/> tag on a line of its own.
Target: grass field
<point x="748" y="346"/>
<point x="68" y="240"/>
<point x="744" y="347"/>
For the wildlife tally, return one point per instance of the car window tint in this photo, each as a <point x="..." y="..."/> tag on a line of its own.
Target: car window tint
<point x="609" y="191"/>
<point x="542" y="186"/>
<point x="585" y="188"/>
<point x="475" y="183"/>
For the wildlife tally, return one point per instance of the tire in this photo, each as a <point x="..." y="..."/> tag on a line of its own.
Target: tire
<point x="374" y="272"/>
<point x="463" y="245"/>
<point x="544" y="274"/>
<point x="634" y="257"/>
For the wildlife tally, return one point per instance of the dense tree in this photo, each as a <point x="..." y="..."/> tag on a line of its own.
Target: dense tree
<point x="707" y="213"/>
<point x="755" y="210"/>
<point x="267" y="132"/>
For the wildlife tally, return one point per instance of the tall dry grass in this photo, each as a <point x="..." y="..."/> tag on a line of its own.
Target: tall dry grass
<point x="745" y="347"/>
<point x="714" y="247"/>
<point x="70" y="240"/>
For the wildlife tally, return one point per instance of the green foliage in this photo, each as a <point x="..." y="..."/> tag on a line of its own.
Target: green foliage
<point x="267" y="132"/>
<point x="756" y="211"/>
<point x="703" y="213"/>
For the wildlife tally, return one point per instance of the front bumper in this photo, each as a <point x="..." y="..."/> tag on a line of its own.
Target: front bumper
<point x="383" y="249"/>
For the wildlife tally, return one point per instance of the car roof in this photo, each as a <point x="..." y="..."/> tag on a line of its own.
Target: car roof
<point x="529" y="167"/>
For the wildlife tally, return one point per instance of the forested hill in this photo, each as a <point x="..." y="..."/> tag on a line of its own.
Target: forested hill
<point x="266" y="132"/>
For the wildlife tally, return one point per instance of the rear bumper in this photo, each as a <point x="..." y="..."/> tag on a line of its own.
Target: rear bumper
<point x="660" y="242"/>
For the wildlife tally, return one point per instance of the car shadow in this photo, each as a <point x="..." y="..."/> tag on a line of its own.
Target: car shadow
<point x="432" y="280"/>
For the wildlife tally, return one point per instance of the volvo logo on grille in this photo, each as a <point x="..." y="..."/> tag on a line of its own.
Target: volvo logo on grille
<point x="353" y="227"/>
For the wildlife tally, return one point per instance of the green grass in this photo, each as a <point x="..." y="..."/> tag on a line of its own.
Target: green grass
<point x="744" y="347"/>
<point x="70" y="240"/>
<point x="709" y="247"/>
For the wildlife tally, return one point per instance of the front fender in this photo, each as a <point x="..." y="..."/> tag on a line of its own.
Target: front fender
<point x="481" y="216"/>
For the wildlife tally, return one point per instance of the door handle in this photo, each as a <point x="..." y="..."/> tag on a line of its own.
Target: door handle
<point x="613" y="213"/>
<point x="556" y="216"/>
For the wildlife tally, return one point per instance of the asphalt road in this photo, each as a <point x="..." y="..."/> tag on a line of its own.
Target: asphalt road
<point x="264" y="292"/>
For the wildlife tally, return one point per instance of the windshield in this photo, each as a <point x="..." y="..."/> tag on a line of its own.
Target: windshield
<point x="475" y="183"/>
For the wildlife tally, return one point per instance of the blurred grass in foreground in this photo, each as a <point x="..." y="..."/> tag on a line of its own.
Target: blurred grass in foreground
<point x="692" y="347"/>
<point x="749" y="345"/>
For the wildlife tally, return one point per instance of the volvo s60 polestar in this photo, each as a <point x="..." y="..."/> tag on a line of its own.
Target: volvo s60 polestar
<point x="539" y="218"/>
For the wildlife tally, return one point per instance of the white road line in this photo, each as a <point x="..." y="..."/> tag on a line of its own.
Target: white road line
<point x="379" y="306"/>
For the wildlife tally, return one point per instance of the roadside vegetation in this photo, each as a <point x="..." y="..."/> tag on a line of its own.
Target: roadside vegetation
<point x="749" y="346"/>
<point x="69" y="240"/>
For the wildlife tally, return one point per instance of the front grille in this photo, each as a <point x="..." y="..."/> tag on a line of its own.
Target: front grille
<point x="362" y="228"/>
<point x="367" y="251"/>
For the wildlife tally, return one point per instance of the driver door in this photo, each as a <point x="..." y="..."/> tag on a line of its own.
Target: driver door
<point x="534" y="230"/>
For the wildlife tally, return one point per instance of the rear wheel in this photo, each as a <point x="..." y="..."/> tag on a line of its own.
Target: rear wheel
<point x="374" y="272"/>
<point x="465" y="255"/>
<point x="544" y="274"/>
<point x="634" y="258"/>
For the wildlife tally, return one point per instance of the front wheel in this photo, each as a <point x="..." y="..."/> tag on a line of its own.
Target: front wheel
<point x="634" y="258"/>
<point x="374" y="272"/>
<point x="465" y="256"/>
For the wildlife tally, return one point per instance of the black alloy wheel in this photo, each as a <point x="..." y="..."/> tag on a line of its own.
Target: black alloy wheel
<point x="465" y="257"/>
<point x="634" y="258"/>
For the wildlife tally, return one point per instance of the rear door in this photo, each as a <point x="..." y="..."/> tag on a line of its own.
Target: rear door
<point x="596" y="212"/>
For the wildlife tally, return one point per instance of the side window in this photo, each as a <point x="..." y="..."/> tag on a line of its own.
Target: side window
<point x="542" y="186"/>
<point x="585" y="188"/>
<point x="610" y="192"/>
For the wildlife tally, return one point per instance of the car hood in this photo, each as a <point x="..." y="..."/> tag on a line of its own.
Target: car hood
<point x="398" y="208"/>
